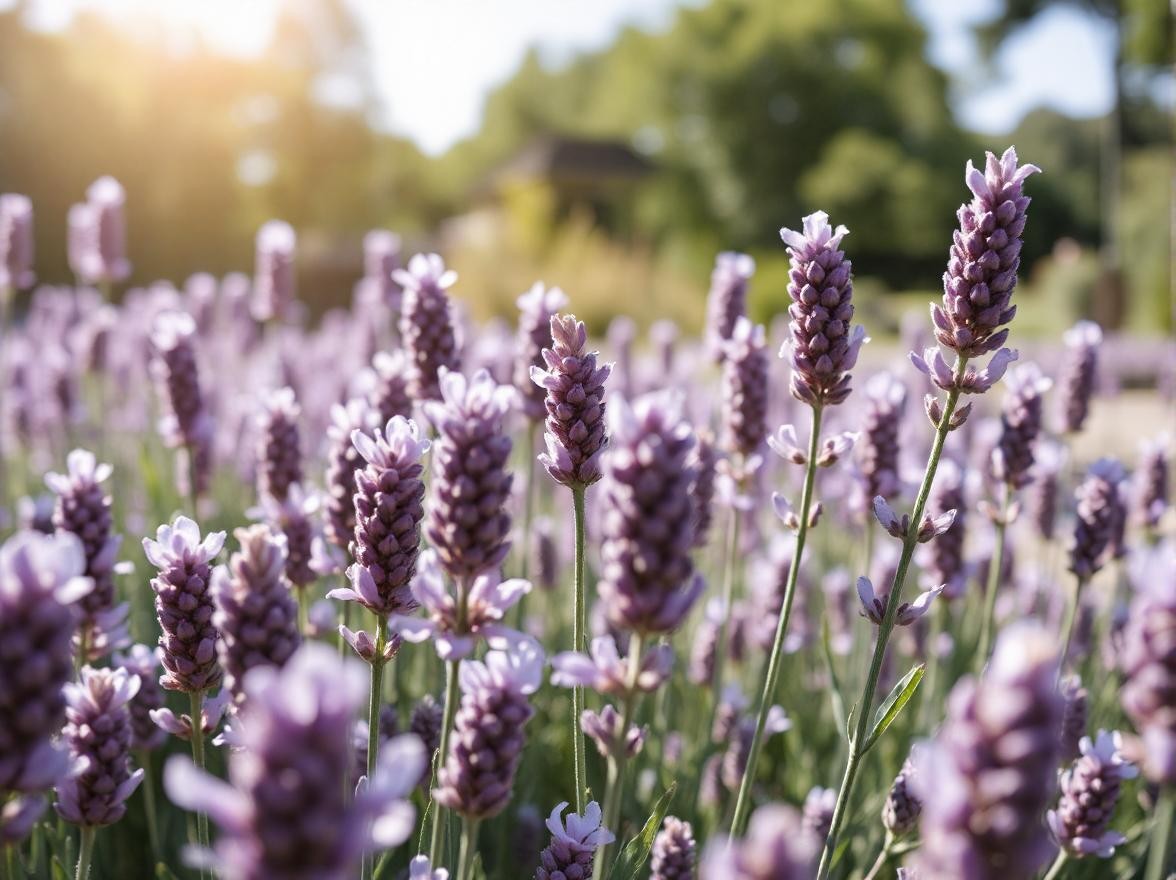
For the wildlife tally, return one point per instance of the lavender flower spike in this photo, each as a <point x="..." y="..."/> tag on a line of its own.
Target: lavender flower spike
<point x="487" y="601"/>
<point x="16" y="243"/>
<point x="574" y="842"/>
<point x="823" y="347"/>
<point x="284" y="811"/>
<point x="1100" y="504"/>
<point x="183" y="604"/>
<point x="1090" y="790"/>
<point x="469" y="518"/>
<point x="536" y="309"/>
<point x="647" y="581"/>
<point x="426" y="326"/>
<point x="343" y="460"/>
<point x="606" y="672"/>
<point x="878" y="446"/>
<point x="1152" y="499"/>
<point x="279" y="453"/>
<point x="574" y="384"/>
<point x="273" y="277"/>
<point x="674" y="851"/>
<point x="776" y="848"/>
<point x="98" y="730"/>
<point x="105" y="258"/>
<point x="1020" y="423"/>
<point x="143" y="662"/>
<point x="487" y="742"/>
<point x="188" y="423"/>
<point x="1078" y="373"/>
<point x="1149" y="666"/>
<point x="727" y="301"/>
<point x="1003" y="727"/>
<point x="900" y="812"/>
<point x="745" y="390"/>
<point x="985" y="255"/>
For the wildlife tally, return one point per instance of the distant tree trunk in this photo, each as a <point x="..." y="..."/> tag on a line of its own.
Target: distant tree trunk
<point x="1111" y="296"/>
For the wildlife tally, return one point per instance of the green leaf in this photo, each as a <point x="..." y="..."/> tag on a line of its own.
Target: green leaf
<point x="632" y="858"/>
<point x="893" y="705"/>
<point x="838" y="700"/>
<point x="58" y="869"/>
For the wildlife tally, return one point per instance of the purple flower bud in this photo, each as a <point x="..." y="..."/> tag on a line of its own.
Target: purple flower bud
<point x="606" y="672"/>
<point x="343" y="460"/>
<point x="102" y="257"/>
<point x="183" y="604"/>
<point x="212" y="710"/>
<point x="817" y="815"/>
<point x="1153" y="488"/>
<point x="536" y="309"/>
<point x="487" y="742"/>
<point x="16" y="243"/>
<point x="487" y="601"/>
<point x="188" y="424"/>
<point x="1043" y="497"/>
<point x="647" y="581"/>
<point x="874" y="604"/>
<point x="1090" y="790"/>
<point x="704" y="645"/>
<point x="469" y="516"/>
<point x="284" y="811"/>
<point x="1073" y="717"/>
<point x="604" y="729"/>
<point x="426" y="325"/>
<point x="900" y="812"/>
<point x="943" y="558"/>
<point x="674" y="851"/>
<point x="1078" y="374"/>
<point x="294" y="518"/>
<point x="546" y="560"/>
<point x="989" y="774"/>
<point x="745" y="390"/>
<point x="1100" y="504"/>
<point x="833" y="448"/>
<point x="1149" y="665"/>
<point x="878" y="447"/>
<point x="1020" y="423"/>
<point x="574" y="385"/>
<point x="526" y="837"/>
<point x="98" y="731"/>
<point x="18" y="817"/>
<point x="738" y="751"/>
<point x="144" y="663"/>
<point x="785" y="444"/>
<point x="40" y="580"/>
<point x="570" y="854"/>
<point x="824" y="347"/>
<point x="273" y="276"/>
<point x="727" y="301"/>
<point x="256" y="615"/>
<point x="973" y="381"/>
<point x="425" y="722"/>
<point x="387" y="386"/>
<point x="776" y="848"/>
<point x="985" y="256"/>
<point x="279" y="453"/>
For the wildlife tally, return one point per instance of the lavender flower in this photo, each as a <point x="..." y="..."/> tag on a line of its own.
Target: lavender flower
<point x="343" y="460"/>
<point x="1043" y="499"/>
<point x="212" y="710"/>
<point x="704" y="645"/>
<point x="604" y="729"/>
<point x="256" y="615"/>
<point x="273" y="276"/>
<point x="1153" y="488"/>
<point x="1099" y="505"/>
<point x="387" y="393"/>
<point x="546" y="560"/>
<point x="1090" y="790"/>
<point x="389" y="493"/>
<point x="293" y="518"/>
<point x="776" y="848"/>
<point x="183" y="604"/>
<point x="647" y="580"/>
<point x="98" y="731"/>
<point x="943" y="558"/>
<point x="878" y="445"/>
<point x="1149" y="666"/>
<point x="425" y="722"/>
<point x="102" y="240"/>
<point x="901" y="810"/>
<point x="674" y="851"/>
<point x="989" y="774"/>
<point x="874" y="604"/>
<point x="486" y="603"/>
<point x="745" y="390"/>
<point x="574" y="384"/>
<point x="738" y="752"/>
<point x="536" y="309"/>
<point x="469" y="518"/>
<point x="605" y="671"/>
<point x="574" y="842"/>
<point x="1078" y="374"/>
<point x="40" y="580"/>
<point x="16" y="243"/>
<point x="143" y="662"/>
<point x="188" y="423"/>
<point x="284" y="811"/>
<point x="727" y="300"/>
<point x="381" y="257"/>
<point x="1020" y="423"/>
<point x="704" y="460"/>
<point x="823" y="347"/>
<point x="279" y="453"/>
<point x="487" y="743"/>
<point x="426" y="326"/>
<point x="1074" y="716"/>
<point x="985" y="255"/>
<point x="817" y="816"/>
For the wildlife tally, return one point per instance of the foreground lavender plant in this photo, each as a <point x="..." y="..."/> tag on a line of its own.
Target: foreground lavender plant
<point x="574" y="842"/>
<point x="977" y="290"/>
<point x="822" y="349"/>
<point x="575" y="438"/>
<point x="426" y="326"/>
<point x="287" y="812"/>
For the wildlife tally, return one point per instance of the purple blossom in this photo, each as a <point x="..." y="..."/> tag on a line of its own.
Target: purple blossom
<point x="1100" y="504"/>
<point x="187" y="424"/>
<point x="874" y="604"/>
<point x="817" y="815"/>
<point x="776" y="848"/>
<point x="943" y="558"/>
<point x="1152" y="499"/>
<point x="273" y="276"/>
<point x="674" y="851"/>
<point x="536" y="309"/>
<point x="878" y="447"/>
<point x="1074" y="716"/>
<point x="1078" y="374"/>
<point x="98" y="233"/>
<point x="605" y="671"/>
<point x="1148" y="662"/>
<point x="426" y="325"/>
<point x="745" y="390"/>
<point x="386" y="386"/>
<point x="212" y="710"/>
<point x="1020" y="423"/>
<point x="421" y="869"/>
<point x="381" y="258"/>
<point x="294" y="517"/>
<point x="604" y="729"/>
<point x="704" y="460"/>
<point x="1090" y="790"/>
<point x="896" y="526"/>
<point x="279" y="453"/>
<point x="16" y="243"/>
<point x="574" y="841"/>
<point x="727" y="299"/>
<point x="973" y="381"/>
<point x="343" y="460"/>
<point x="143" y="662"/>
<point x="903" y="805"/>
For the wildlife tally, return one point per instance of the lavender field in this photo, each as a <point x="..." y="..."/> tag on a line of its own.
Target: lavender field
<point x="389" y="592"/>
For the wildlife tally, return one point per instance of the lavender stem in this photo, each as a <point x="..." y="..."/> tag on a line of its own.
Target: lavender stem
<point x="375" y="698"/>
<point x="1161" y="842"/>
<point x="196" y="713"/>
<point x="1068" y="623"/>
<point x="439" y="812"/>
<point x="143" y="758"/>
<point x="86" y="852"/>
<point x="857" y="746"/>
<point x="743" y="802"/>
<point x="988" y="623"/>
<point x="469" y="837"/>
<point x="579" y="643"/>
<point x="727" y="599"/>
<point x="1055" y="870"/>
<point x="883" y="859"/>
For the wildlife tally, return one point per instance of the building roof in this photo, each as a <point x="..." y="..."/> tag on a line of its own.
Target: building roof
<point x="555" y="157"/>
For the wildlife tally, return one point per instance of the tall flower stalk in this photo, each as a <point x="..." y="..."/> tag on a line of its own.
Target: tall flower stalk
<point x="978" y="286"/>
<point x="822" y="350"/>
<point x="575" y="438"/>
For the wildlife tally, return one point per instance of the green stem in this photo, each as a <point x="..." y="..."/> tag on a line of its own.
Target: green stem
<point x="85" y="853"/>
<point x="1161" y="842"/>
<point x="988" y="622"/>
<point x="775" y="659"/>
<point x="144" y="758"/>
<point x="883" y="859"/>
<point x="528" y="502"/>
<point x="196" y="713"/>
<point x="439" y="812"/>
<point x="857" y="747"/>
<point x="1068" y="623"/>
<point x="727" y="597"/>
<point x="579" y="643"/>
<point x="375" y="699"/>
<point x="1055" y="869"/>
<point x="469" y="838"/>
<point x="303" y="609"/>
<point x="619" y="756"/>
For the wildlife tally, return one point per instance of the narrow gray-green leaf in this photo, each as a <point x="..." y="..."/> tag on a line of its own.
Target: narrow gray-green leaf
<point x="632" y="858"/>
<point x="893" y="705"/>
<point x="838" y="700"/>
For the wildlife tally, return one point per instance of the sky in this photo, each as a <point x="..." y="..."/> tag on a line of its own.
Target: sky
<point x="435" y="61"/>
